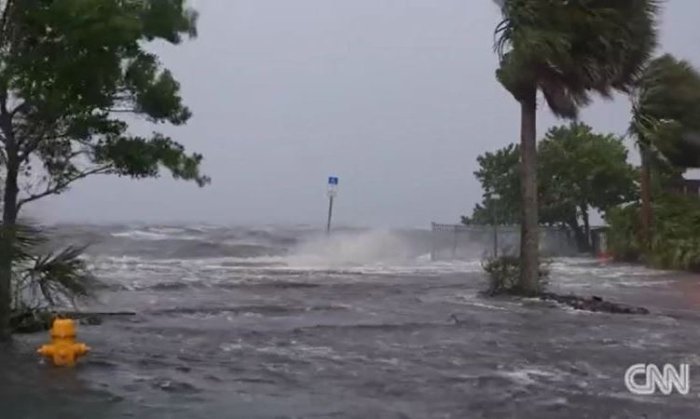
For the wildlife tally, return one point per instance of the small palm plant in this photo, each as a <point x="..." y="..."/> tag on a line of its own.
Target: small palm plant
<point x="45" y="280"/>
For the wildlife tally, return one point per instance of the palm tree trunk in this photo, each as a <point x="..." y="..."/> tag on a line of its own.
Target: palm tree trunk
<point x="7" y="231"/>
<point x="529" y="239"/>
<point x="646" y="212"/>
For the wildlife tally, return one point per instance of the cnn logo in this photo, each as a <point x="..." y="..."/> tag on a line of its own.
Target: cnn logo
<point x="646" y="379"/>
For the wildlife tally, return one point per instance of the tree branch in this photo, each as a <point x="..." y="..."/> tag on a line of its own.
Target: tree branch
<point x="3" y="100"/>
<point x="3" y="111"/>
<point x="31" y="140"/>
<point x="22" y="107"/>
<point x="4" y="21"/>
<point x="57" y="188"/>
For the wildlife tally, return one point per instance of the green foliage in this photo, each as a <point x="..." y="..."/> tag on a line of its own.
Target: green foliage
<point x="579" y="171"/>
<point x="568" y="48"/>
<point x="72" y="73"/>
<point x="504" y="274"/>
<point x="623" y="238"/>
<point x="498" y="174"/>
<point x="69" y="72"/>
<point x="42" y="278"/>
<point x="666" y="112"/>
<point x="676" y="239"/>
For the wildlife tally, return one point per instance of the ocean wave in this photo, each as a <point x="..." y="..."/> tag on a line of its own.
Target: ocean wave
<point x="271" y="266"/>
<point x="155" y="234"/>
<point x="205" y="249"/>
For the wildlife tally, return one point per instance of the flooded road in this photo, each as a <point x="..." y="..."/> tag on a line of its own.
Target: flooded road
<point x="275" y="323"/>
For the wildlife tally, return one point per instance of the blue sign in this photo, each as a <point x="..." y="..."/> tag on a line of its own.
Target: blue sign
<point x="333" y="181"/>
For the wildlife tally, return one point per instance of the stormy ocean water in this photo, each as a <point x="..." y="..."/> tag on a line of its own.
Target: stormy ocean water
<point x="284" y="322"/>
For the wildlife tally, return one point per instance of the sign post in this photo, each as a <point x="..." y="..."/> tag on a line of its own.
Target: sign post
<point x="332" y="191"/>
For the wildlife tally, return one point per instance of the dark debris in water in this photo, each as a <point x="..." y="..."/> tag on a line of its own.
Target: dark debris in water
<point x="594" y="304"/>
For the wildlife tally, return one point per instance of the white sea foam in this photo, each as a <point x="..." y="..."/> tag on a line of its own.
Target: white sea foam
<point x="156" y="233"/>
<point x="529" y="376"/>
<point x="352" y="249"/>
<point x="347" y="254"/>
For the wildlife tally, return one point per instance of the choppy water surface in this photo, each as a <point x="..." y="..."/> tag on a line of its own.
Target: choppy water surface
<point x="282" y="323"/>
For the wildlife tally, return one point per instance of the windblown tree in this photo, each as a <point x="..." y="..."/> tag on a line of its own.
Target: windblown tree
<point x="666" y="125"/>
<point x="579" y="172"/>
<point x="565" y="49"/>
<point x="70" y="73"/>
<point x="500" y="182"/>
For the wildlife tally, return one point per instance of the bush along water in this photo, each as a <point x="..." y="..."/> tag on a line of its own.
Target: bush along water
<point x="675" y="242"/>
<point x="503" y="274"/>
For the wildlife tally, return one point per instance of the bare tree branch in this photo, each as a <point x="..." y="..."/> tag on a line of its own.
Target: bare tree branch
<point x="60" y="186"/>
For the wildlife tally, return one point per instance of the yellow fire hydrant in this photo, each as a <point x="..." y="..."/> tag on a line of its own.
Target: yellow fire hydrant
<point x="63" y="350"/>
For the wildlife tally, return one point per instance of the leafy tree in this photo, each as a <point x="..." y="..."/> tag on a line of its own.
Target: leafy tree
<point x="582" y="171"/>
<point x="70" y="71"/>
<point x="498" y="175"/>
<point x="666" y="124"/>
<point x="565" y="49"/>
<point x="579" y="172"/>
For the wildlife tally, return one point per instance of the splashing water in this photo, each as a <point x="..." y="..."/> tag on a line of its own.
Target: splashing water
<point x="346" y="249"/>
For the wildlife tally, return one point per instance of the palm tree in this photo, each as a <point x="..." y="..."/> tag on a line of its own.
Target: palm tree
<point x="43" y="280"/>
<point x="665" y="123"/>
<point x="565" y="49"/>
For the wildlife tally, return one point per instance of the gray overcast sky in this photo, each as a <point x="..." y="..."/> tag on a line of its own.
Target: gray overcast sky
<point x="397" y="97"/>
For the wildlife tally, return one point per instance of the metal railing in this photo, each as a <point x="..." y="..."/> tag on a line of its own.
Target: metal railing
<point x="467" y="242"/>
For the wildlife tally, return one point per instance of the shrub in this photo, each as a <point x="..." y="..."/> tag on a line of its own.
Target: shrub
<point x="623" y="235"/>
<point x="676" y="234"/>
<point x="503" y="274"/>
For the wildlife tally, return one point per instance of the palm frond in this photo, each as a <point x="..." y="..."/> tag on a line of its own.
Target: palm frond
<point x="61" y="275"/>
<point x="23" y="239"/>
<point x="46" y="278"/>
<point x="564" y="100"/>
<point x="666" y="110"/>
<point x="577" y="46"/>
